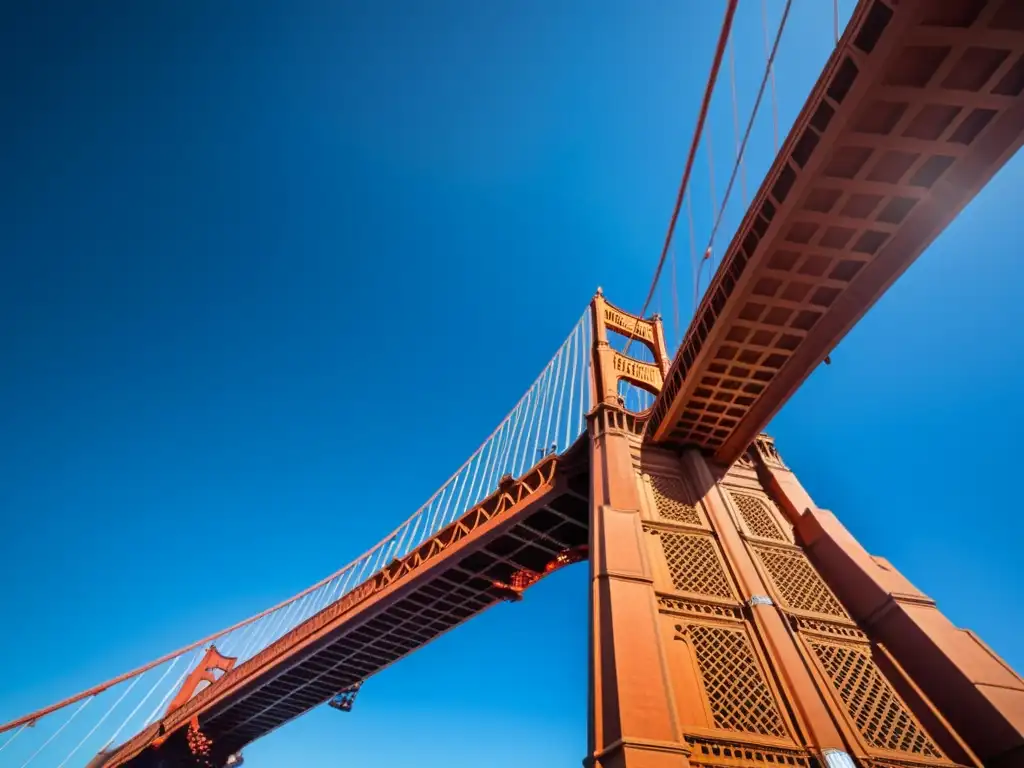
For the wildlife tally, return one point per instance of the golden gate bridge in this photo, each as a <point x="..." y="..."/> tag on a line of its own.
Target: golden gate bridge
<point x="803" y="649"/>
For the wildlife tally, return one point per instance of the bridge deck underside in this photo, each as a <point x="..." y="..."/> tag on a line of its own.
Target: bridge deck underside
<point x="456" y="592"/>
<point x="452" y="581"/>
<point x="918" y="107"/>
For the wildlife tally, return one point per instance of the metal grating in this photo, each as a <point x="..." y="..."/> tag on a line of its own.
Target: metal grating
<point x="879" y="713"/>
<point x="737" y="694"/>
<point x="799" y="585"/>
<point x="757" y="517"/>
<point x="670" y="499"/>
<point x="693" y="564"/>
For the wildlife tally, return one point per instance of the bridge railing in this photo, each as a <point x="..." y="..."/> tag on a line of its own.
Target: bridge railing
<point x="548" y="418"/>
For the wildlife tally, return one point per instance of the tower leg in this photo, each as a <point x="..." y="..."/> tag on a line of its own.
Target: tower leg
<point x="973" y="689"/>
<point x="632" y="720"/>
<point x="820" y="729"/>
<point x="690" y="662"/>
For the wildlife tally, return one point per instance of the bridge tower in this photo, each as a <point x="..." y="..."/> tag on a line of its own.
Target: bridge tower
<point x="733" y="623"/>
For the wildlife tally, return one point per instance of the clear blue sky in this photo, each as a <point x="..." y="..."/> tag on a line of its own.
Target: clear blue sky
<point x="271" y="270"/>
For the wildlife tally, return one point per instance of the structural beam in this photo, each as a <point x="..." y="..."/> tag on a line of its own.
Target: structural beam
<point x="919" y="105"/>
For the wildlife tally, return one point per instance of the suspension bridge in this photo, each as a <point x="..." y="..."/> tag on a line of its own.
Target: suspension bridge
<point x="918" y="106"/>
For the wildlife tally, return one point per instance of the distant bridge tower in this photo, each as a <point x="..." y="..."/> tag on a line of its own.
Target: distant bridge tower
<point x="734" y="623"/>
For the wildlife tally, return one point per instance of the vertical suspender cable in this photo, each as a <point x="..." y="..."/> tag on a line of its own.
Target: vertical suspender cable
<point x="478" y="477"/>
<point x="177" y="684"/>
<point x="274" y="627"/>
<point x="251" y="643"/>
<point x="300" y="611"/>
<point x="339" y="589"/>
<point x="458" y="500"/>
<point x="450" y="491"/>
<point x="750" y="122"/>
<point x="553" y="412"/>
<point x="709" y="147"/>
<point x="145" y="698"/>
<point x="436" y="505"/>
<point x="491" y="467"/>
<point x="317" y="598"/>
<point x="587" y="389"/>
<point x="522" y="426"/>
<point x="695" y="265"/>
<point x="586" y="372"/>
<point x="260" y="630"/>
<point x="499" y="468"/>
<point x="538" y="402"/>
<point x="675" y="299"/>
<point x="232" y="642"/>
<point x="99" y="722"/>
<point x="572" y="386"/>
<point x="539" y="417"/>
<point x="736" y="122"/>
<point x="471" y="497"/>
<point x="278" y="626"/>
<point x="709" y="89"/>
<point x="513" y="424"/>
<point x="480" y="488"/>
<point x="13" y="737"/>
<point x="305" y="604"/>
<point x="524" y="432"/>
<point x="348" y="582"/>
<point x="286" y="621"/>
<point x="57" y="733"/>
<point x="541" y="445"/>
<point x="365" y="560"/>
<point x="567" y="349"/>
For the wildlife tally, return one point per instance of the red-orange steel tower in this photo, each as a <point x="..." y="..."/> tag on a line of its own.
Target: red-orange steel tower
<point x="734" y="623"/>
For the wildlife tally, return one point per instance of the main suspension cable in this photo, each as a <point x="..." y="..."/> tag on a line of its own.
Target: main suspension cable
<point x="709" y="89"/>
<point x="363" y="560"/>
<point x="736" y="121"/>
<point x="750" y="124"/>
<point x="771" y="66"/>
<point x="694" y="266"/>
<point x="675" y="297"/>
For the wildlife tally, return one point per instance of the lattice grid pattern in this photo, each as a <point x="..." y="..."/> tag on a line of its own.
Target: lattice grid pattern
<point x="798" y="583"/>
<point x="737" y="693"/>
<point x="880" y="715"/>
<point x="693" y="564"/>
<point x="670" y="499"/>
<point x="757" y="517"/>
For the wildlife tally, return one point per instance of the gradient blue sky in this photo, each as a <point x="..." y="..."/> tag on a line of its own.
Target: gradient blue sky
<point x="271" y="270"/>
